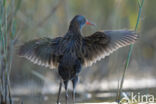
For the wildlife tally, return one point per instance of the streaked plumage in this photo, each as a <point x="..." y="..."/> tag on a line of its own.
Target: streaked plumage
<point x="47" y="52"/>
<point x="72" y="51"/>
<point x="102" y="44"/>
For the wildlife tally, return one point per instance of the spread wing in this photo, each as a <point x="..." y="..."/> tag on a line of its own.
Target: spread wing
<point x="101" y="44"/>
<point x="43" y="51"/>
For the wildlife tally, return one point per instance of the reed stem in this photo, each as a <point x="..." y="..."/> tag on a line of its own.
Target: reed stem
<point x="130" y="52"/>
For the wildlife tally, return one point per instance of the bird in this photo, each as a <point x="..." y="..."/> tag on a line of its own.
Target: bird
<point x="69" y="53"/>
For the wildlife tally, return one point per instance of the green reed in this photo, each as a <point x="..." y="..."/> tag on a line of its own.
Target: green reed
<point x="7" y="41"/>
<point x="140" y="5"/>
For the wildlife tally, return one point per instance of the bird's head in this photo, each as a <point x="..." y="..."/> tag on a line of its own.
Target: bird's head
<point x="78" y="22"/>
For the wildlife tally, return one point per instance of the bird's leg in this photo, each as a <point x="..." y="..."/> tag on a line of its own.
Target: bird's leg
<point x="59" y="92"/>
<point x="74" y="81"/>
<point x="66" y="89"/>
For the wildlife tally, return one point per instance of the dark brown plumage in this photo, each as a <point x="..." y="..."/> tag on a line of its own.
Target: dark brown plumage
<point x="47" y="52"/>
<point x="72" y="51"/>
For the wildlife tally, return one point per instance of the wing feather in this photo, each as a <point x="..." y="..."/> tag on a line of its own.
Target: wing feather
<point x="41" y="51"/>
<point x="101" y="44"/>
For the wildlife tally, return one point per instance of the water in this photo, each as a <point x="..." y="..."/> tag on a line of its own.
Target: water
<point x="97" y="92"/>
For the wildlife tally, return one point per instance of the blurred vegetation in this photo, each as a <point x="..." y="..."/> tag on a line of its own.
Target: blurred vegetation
<point x="29" y="19"/>
<point x="7" y="40"/>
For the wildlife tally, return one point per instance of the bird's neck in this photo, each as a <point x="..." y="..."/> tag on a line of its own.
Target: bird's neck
<point x="74" y="34"/>
<point x="75" y="29"/>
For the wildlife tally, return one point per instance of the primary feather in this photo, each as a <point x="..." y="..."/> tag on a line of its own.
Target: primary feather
<point x="42" y="51"/>
<point x="101" y="44"/>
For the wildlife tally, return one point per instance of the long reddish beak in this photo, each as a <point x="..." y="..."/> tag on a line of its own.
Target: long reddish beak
<point x="89" y="23"/>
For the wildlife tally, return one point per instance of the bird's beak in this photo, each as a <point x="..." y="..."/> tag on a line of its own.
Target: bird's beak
<point x="89" y="23"/>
